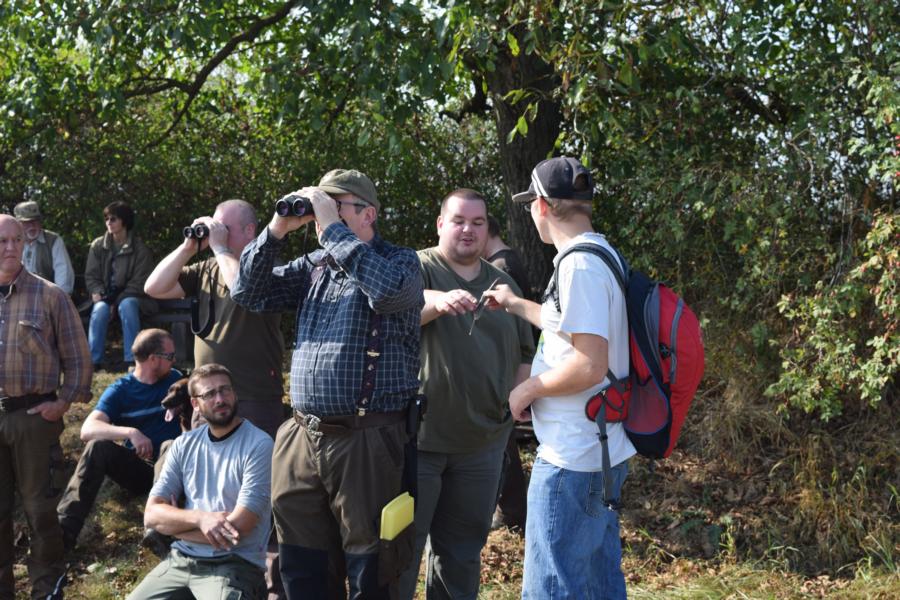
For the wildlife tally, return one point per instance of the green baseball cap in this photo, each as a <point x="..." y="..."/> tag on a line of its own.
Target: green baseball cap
<point x="350" y="181"/>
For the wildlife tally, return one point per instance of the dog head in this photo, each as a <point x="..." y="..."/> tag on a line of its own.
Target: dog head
<point x="177" y="403"/>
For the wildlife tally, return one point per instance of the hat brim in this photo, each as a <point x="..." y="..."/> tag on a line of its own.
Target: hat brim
<point x="523" y="197"/>
<point x="332" y="189"/>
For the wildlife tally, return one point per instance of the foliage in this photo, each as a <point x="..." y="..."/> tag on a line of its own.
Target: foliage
<point x="846" y="337"/>
<point x="746" y="152"/>
<point x="741" y="149"/>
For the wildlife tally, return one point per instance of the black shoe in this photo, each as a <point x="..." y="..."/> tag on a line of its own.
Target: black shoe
<point x="156" y="542"/>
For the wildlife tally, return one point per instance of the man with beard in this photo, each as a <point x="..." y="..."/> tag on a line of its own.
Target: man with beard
<point x="471" y="359"/>
<point x="45" y="252"/>
<point x="223" y="469"/>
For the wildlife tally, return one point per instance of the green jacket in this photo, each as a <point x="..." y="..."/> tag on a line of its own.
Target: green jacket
<point x="133" y="264"/>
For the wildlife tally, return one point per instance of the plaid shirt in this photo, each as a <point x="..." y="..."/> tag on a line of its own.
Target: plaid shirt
<point x="41" y="337"/>
<point x="334" y="292"/>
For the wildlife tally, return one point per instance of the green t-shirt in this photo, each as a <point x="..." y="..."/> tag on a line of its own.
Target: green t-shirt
<point x="249" y="344"/>
<point x="467" y="379"/>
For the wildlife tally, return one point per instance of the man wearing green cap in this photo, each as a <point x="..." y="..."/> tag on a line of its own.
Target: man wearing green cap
<point x="45" y="252"/>
<point x="354" y="373"/>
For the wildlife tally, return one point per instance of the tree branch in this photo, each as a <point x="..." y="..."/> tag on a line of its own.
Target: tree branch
<point x="477" y="104"/>
<point x="193" y="88"/>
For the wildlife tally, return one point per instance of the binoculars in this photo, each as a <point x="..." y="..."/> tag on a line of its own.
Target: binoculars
<point x="294" y="205"/>
<point x="197" y="232"/>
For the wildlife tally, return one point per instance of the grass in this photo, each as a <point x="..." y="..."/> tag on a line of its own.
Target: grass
<point x="750" y="507"/>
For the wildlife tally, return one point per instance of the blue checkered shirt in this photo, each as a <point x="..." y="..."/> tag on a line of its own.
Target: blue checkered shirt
<point x="334" y="299"/>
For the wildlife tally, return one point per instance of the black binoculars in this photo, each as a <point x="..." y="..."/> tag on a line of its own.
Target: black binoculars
<point x="198" y="231"/>
<point x="294" y="205"/>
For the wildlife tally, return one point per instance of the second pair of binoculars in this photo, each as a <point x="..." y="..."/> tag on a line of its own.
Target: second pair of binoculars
<point x="196" y="232"/>
<point x="294" y="205"/>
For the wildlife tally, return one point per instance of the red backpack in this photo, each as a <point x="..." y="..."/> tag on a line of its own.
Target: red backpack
<point x="665" y="363"/>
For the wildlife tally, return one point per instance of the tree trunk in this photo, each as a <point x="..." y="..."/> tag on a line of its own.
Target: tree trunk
<point x="518" y="157"/>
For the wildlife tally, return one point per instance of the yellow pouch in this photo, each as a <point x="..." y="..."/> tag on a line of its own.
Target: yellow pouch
<point x="396" y="516"/>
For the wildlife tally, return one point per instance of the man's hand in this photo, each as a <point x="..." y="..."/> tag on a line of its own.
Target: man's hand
<point x="520" y="402"/>
<point x="218" y="234"/>
<point x="324" y="206"/>
<point x="501" y="296"/>
<point x="281" y="226"/>
<point x="219" y="531"/>
<point x="217" y="238"/>
<point x="143" y="447"/>
<point x="50" y="411"/>
<point x="455" y="302"/>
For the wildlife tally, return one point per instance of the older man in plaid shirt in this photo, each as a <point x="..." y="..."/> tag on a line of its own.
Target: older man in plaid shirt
<point x="41" y="338"/>
<point x="354" y="372"/>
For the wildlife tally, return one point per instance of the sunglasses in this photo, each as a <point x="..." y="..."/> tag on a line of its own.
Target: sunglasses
<point x="169" y="356"/>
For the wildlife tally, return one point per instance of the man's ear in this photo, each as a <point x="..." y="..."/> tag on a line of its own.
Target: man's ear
<point x="195" y="403"/>
<point x="440" y="221"/>
<point x="371" y="215"/>
<point x="542" y="205"/>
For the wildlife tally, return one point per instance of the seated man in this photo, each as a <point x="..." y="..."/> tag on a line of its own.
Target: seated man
<point x="130" y="411"/>
<point x="223" y="468"/>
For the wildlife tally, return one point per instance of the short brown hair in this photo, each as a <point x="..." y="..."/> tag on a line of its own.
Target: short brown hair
<point x="207" y="371"/>
<point x="465" y="194"/>
<point x="148" y="342"/>
<point x="566" y="209"/>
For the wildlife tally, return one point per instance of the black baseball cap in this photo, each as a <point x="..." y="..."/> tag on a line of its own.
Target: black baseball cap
<point x="561" y="178"/>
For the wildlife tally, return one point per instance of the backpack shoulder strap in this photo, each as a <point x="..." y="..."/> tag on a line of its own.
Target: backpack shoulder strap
<point x="616" y="264"/>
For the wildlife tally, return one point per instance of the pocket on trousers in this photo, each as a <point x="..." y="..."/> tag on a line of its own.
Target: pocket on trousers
<point x="392" y="446"/>
<point x="596" y="507"/>
<point x="395" y="555"/>
<point x="58" y="478"/>
<point x="242" y="585"/>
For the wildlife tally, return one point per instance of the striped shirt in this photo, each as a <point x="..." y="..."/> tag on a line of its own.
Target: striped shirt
<point x="334" y="292"/>
<point x="41" y="339"/>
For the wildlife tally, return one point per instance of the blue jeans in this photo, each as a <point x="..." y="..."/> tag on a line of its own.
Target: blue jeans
<point x="572" y="544"/>
<point x="129" y="314"/>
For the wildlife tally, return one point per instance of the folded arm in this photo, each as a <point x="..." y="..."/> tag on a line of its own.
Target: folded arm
<point x="222" y="529"/>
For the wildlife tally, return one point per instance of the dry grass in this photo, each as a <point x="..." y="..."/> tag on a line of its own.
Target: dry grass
<point x="753" y="505"/>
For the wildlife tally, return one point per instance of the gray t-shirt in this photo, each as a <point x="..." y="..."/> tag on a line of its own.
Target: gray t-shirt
<point x="220" y="476"/>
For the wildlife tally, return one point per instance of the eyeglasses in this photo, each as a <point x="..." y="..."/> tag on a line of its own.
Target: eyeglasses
<point x="356" y="204"/>
<point x="527" y="206"/>
<point x="169" y="356"/>
<point x="224" y="390"/>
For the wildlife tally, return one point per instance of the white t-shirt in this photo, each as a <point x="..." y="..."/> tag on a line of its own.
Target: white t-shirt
<point x="592" y="302"/>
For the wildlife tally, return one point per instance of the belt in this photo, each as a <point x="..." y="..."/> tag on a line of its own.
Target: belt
<point x="10" y="404"/>
<point x="344" y="424"/>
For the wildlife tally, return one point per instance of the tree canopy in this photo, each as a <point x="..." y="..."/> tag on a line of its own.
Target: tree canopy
<point x="746" y="151"/>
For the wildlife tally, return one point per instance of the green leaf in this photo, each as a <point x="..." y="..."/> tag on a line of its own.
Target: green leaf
<point x="513" y="44"/>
